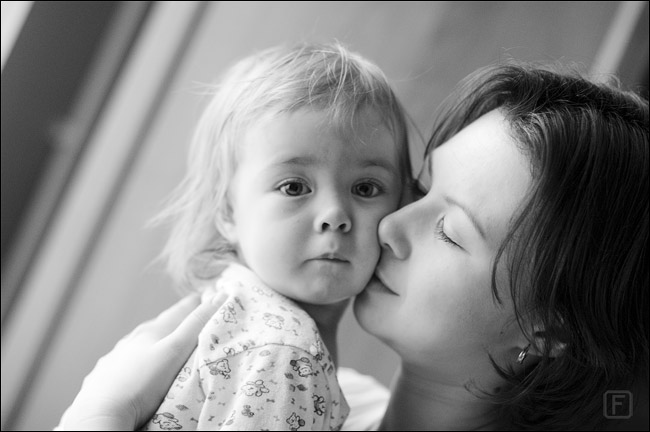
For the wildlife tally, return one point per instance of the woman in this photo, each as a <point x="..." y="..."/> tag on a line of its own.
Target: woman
<point x="515" y="290"/>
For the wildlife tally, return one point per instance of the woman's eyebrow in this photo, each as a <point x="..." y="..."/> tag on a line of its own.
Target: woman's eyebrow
<point x="468" y="213"/>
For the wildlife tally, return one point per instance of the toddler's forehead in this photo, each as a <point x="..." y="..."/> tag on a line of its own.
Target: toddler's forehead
<point x="353" y="125"/>
<point x="366" y="132"/>
<point x="311" y="134"/>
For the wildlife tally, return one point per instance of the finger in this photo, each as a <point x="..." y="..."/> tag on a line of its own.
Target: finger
<point x="184" y="338"/>
<point x="219" y="298"/>
<point x="167" y="320"/>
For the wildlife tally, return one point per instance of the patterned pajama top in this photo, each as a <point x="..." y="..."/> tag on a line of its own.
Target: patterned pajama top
<point x="260" y="364"/>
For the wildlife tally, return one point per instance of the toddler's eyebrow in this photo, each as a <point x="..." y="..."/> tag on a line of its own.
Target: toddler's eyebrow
<point x="380" y="163"/>
<point x="298" y="160"/>
<point x="367" y="163"/>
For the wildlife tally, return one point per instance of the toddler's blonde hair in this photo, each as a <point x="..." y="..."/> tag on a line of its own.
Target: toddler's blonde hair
<point x="324" y="77"/>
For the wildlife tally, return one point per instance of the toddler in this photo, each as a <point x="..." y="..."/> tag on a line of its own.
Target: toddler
<point x="296" y="159"/>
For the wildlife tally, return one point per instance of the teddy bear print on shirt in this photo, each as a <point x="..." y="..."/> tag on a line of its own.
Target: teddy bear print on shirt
<point x="166" y="421"/>
<point x="295" y="422"/>
<point x="303" y="367"/>
<point x="256" y="388"/>
<point x="275" y="321"/>
<point x="228" y="313"/>
<point x="319" y="404"/>
<point x="219" y="367"/>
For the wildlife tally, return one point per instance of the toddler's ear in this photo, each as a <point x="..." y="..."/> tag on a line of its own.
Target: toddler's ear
<point x="225" y="224"/>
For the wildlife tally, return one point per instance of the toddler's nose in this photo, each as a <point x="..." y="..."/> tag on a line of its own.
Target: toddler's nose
<point x="335" y="218"/>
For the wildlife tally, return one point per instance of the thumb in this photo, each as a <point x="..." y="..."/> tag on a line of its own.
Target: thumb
<point x="183" y="339"/>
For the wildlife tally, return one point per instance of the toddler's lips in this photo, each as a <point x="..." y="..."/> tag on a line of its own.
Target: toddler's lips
<point x="332" y="256"/>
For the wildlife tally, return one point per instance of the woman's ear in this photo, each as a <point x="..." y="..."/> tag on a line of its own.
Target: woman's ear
<point x="552" y="340"/>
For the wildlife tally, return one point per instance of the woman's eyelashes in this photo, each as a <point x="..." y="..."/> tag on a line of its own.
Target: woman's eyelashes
<point x="440" y="233"/>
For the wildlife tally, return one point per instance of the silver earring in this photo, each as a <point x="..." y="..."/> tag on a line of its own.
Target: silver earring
<point x="522" y="355"/>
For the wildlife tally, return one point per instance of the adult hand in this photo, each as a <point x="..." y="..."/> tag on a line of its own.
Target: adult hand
<point x="129" y="383"/>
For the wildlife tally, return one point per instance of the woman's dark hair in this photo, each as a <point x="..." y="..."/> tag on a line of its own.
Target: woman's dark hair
<point x="577" y="250"/>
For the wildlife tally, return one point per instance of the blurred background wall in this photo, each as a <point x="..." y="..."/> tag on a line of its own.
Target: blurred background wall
<point x="99" y="100"/>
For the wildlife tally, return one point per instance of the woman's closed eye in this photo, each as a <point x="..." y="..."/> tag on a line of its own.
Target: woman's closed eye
<point x="440" y="233"/>
<point x="294" y="187"/>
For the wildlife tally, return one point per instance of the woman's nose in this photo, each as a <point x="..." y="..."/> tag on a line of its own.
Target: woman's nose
<point x="333" y="217"/>
<point x="393" y="234"/>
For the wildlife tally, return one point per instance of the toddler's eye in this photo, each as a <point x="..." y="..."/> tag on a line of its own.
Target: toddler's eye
<point x="367" y="189"/>
<point x="294" y="188"/>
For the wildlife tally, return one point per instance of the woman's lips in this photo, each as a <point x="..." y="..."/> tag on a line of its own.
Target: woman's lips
<point x="377" y="276"/>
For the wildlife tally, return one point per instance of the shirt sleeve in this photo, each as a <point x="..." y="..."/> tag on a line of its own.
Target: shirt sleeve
<point x="276" y="387"/>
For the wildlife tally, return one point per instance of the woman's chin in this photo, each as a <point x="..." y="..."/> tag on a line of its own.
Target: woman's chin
<point x="366" y="308"/>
